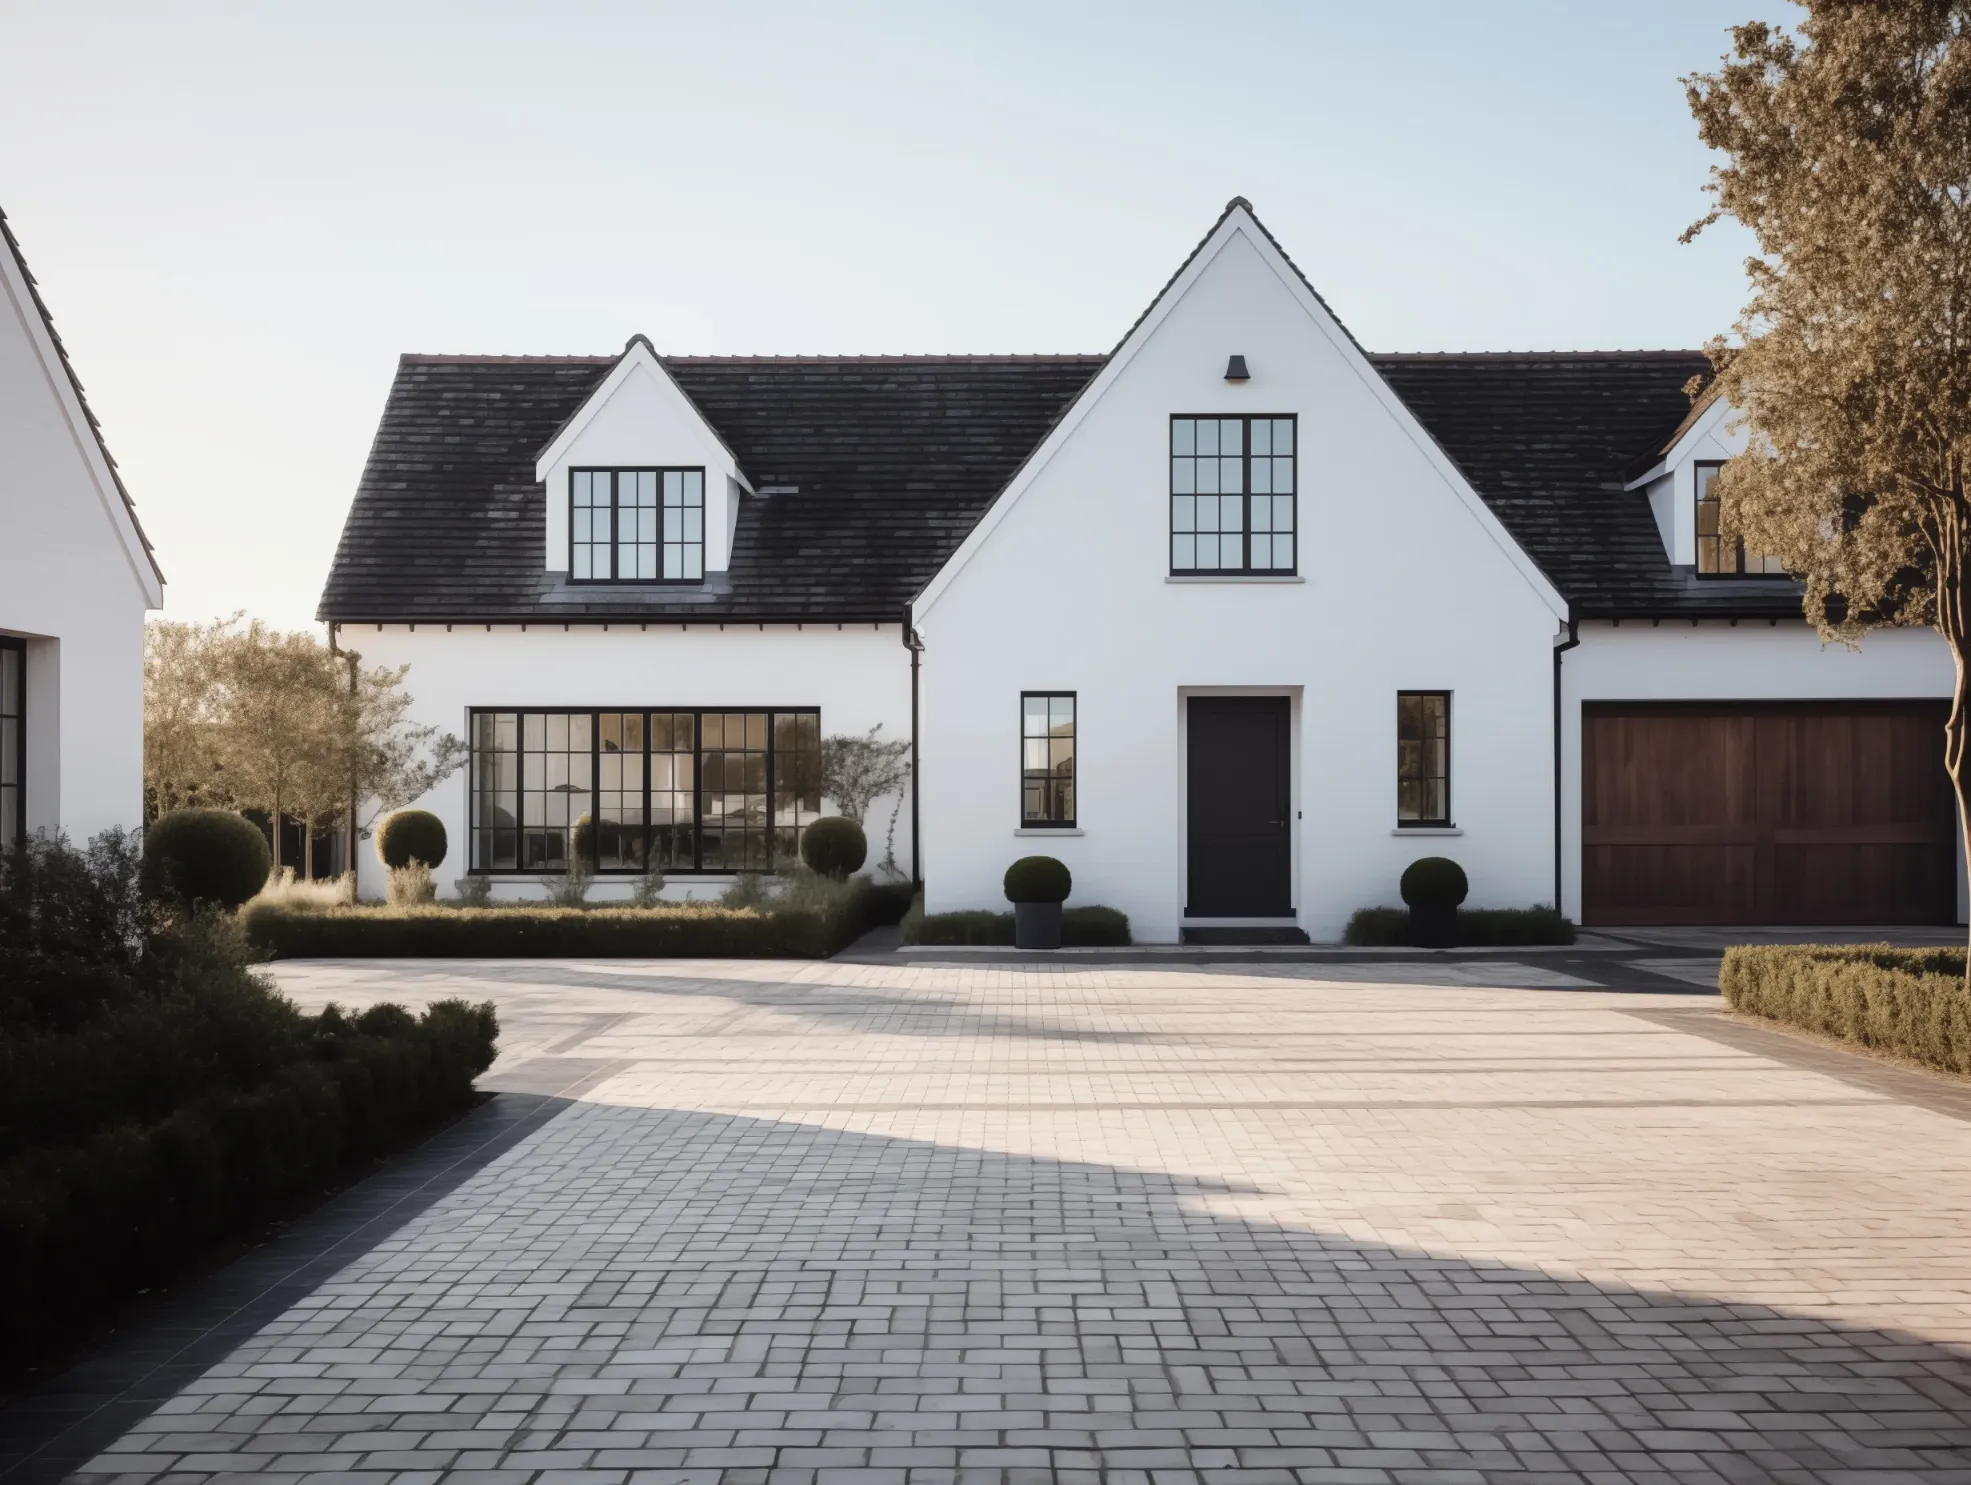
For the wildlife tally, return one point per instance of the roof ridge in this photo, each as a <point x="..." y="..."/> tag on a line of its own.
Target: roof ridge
<point x="1658" y="353"/>
<point x="450" y="358"/>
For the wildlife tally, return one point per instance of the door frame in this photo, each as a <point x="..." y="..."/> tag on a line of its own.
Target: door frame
<point x="1180" y="787"/>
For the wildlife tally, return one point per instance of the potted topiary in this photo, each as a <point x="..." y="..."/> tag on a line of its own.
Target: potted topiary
<point x="1037" y="886"/>
<point x="834" y="846"/>
<point x="1433" y="887"/>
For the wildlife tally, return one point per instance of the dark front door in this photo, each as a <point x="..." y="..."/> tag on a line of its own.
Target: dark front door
<point x="1241" y="859"/>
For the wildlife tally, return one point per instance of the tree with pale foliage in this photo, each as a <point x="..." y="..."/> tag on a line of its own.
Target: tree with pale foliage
<point x="1847" y="147"/>
<point x="859" y="768"/>
<point x="242" y="716"/>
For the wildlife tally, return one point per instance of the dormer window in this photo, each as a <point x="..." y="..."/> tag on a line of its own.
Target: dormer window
<point x="636" y="525"/>
<point x="1719" y="555"/>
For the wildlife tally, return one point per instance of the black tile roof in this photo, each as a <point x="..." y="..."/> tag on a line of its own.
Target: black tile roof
<point x="896" y="458"/>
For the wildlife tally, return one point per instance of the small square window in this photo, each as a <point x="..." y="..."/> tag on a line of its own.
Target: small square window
<point x="636" y="525"/>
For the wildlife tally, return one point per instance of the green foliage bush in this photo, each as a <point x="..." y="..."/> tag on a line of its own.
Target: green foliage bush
<point x="1038" y="879"/>
<point x="175" y="1099"/>
<point x="834" y="846"/>
<point x="1911" y="1002"/>
<point x="1389" y="927"/>
<point x="411" y="835"/>
<point x="206" y="857"/>
<point x="807" y="918"/>
<point x="1081" y="927"/>
<point x="1434" y="882"/>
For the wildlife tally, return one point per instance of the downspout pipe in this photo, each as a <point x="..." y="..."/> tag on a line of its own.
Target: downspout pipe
<point x="914" y="643"/>
<point x="1573" y="639"/>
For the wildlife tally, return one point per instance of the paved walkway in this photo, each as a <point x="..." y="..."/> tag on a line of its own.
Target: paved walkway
<point x="902" y="1224"/>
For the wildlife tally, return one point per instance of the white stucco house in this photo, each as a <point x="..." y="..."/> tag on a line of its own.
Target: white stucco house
<point x="1237" y="620"/>
<point x="76" y="578"/>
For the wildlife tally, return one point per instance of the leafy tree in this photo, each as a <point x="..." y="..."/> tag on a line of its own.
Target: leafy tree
<point x="239" y="715"/>
<point x="182" y="712"/>
<point x="1848" y="155"/>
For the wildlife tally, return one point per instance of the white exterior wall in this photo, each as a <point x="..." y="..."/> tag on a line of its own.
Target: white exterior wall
<point x="858" y="675"/>
<point x="1406" y="584"/>
<point x="1717" y="661"/>
<point x="75" y="582"/>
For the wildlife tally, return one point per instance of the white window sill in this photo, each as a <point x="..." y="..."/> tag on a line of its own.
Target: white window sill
<point x="1234" y="577"/>
<point x="1059" y="830"/>
<point x="1427" y="830"/>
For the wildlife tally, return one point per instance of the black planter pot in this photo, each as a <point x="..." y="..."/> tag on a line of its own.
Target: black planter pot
<point x="1037" y="925"/>
<point x="1434" y="927"/>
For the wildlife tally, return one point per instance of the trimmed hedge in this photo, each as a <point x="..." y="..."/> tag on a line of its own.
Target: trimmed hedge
<point x="1081" y="927"/>
<point x="158" y="1096"/>
<point x="1478" y="928"/>
<point x="1912" y="1002"/>
<point x="411" y="835"/>
<point x="1433" y="882"/>
<point x="85" y="1225"/>
<point x="206" y="857"/>
<point x="834" y="846"/>
<point x="1040" y="879"/>
<point x="541" y="931"/>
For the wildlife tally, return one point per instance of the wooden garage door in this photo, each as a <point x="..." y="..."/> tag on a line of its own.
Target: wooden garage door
<point x="1808" y="813"/>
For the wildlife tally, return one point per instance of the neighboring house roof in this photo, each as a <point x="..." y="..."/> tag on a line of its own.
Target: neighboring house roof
<point x="13" y="246"/>
<point x="896" y="458"/>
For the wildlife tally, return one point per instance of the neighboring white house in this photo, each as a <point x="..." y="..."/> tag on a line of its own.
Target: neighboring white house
<point x="1237" y="620"/>
<point x="76" y="577"/>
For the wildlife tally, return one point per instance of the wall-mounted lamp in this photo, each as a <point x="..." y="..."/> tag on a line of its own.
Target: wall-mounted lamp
<point x="1235" y="370"/>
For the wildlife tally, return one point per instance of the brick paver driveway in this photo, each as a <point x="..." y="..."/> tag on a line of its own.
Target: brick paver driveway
<point x="836" y="1223"/>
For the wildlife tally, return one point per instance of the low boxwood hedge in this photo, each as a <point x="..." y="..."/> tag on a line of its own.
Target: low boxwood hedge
<point x="1911" y="1002"/>
<point x="543" y="931"/>
<point x="1478" y="928"/>
<point x="1081" y="927"/>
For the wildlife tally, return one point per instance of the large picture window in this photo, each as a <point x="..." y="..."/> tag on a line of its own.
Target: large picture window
<point x="1047" y="765"/>
<point x="1232" y="494"/>
<point x="636" y="525"/>
<point x="13" y="743"/>
<point x="681" y="790"/>
<point x="1719" y="555"/>
<point x="1423" y="758"/>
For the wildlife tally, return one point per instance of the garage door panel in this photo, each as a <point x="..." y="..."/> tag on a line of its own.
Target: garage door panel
<point x="1796" y="813"/>
<point x="1645" y="884"/>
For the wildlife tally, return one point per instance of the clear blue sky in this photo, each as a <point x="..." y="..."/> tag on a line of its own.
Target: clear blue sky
<point x="241" y="213"/>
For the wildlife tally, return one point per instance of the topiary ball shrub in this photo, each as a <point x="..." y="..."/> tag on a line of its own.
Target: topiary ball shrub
<point x="206" y="858"/>
<point x="834" y="846"/>
<point x="411" y="835"/>
<point x="1038" y="879"/>
<point x="1434" y="882"/>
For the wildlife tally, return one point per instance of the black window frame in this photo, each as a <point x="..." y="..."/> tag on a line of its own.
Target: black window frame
<point x="15" y="706"/>
<point x="613" y="545"/>
<point x="769" y="829"/>
<point x="1698" y="502"/>
<point x="1171" y="457"/>
<point x="1442" y="821"/>
<point x="1073" y="699"/>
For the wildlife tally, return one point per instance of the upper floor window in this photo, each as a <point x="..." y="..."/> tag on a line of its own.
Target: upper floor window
<point x="636" y="525"/>
<point x="1423" y="758"/>
<point x="1046" y="759"/>
<point x="1719" y="555"/>
<point x="1232" y="495"/>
